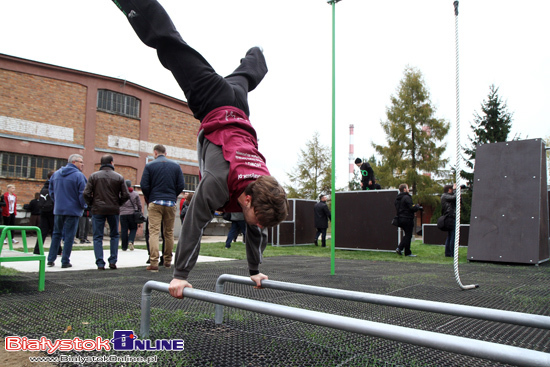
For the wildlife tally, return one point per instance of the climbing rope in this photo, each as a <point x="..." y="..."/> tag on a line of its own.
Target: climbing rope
<point x="458" y="162"/>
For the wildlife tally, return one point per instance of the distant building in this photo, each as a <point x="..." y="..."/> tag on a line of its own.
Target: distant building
<point x="49" y="112"/>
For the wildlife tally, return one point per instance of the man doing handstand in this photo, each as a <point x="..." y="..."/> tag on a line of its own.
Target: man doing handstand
<point x="234" y="175"/>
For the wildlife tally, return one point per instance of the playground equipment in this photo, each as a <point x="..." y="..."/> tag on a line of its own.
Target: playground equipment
<point x="298" y="228"/>
<point x="509" y="220"/>
<point x="471" y="347"/>
<point x="364" y="220"/>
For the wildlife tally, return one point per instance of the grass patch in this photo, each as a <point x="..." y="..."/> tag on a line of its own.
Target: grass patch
<point x="7" y="271"/>
<point x="426" y="254"/>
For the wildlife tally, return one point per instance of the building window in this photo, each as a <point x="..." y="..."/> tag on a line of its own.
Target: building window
<point x="121" y="104"/>
<point x="191" y="182"/>
<point x="14" y="165"/>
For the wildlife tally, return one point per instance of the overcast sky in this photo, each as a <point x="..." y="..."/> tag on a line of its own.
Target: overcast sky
<point x="502" y="42"/>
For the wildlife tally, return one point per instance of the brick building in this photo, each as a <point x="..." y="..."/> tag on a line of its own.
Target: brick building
<point x="49" y="112"/>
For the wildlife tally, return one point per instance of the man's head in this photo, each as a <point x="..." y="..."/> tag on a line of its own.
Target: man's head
<point x="403" y="187"/>
<point x="322" y="197"/>
<point x="159" y="149"/>
<point x="106" y="159"/>
<point x="77" y="160"/>
<point x="358" y="162"/>
<point x="264" y="202"/>
<point x="11" y="189"/>
<point x="447" y="188"/>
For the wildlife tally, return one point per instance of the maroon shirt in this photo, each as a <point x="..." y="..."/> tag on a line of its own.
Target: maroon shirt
<point x="230" y="128"/>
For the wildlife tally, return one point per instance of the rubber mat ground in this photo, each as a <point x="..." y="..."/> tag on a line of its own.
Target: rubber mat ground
<point x="87" y="304"/>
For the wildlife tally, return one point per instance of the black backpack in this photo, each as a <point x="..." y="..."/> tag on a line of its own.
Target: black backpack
<point x="45" y="202"/>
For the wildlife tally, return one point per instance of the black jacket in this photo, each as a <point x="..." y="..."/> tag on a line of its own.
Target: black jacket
<point x="404" y="206"/>
<point x="322" y="214"/>
<point x="448" y="204"/>
<point x="106" y="191"/>
<point x="367" y="174"/>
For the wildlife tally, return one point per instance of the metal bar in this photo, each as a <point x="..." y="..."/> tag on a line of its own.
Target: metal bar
<point x="471" y="347"/>
<point x="510" y="317"/>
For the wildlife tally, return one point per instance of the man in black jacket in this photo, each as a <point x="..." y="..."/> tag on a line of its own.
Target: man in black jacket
<point x="105" y="192"/>
<point x="448" y="207"/>
<point x="45" y="204"/>
<point x="161" y="183"/>
<point x="322" y="216"/>
<point x="367" y="174"/>
<point x="405" y="212"/>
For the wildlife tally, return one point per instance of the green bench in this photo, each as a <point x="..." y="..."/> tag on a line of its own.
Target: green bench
<point x="9" y="254"/>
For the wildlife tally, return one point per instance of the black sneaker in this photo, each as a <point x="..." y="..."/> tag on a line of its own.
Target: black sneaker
<point x="398" y="251"/>
<point x="51" y="263"/>
<point x="112" y="266"/>
<point x="65" y="266"/>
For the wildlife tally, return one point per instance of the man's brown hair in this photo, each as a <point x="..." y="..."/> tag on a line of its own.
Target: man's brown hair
<point x="268" y="200"/>
<point x="160" y="149"/>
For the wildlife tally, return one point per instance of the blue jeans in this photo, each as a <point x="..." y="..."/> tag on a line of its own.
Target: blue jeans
<point x="234" y="231"/>
<point x="63" y="224"/>
<point x="98" y="224"/>
<point x="127" y="223"/>
<point x="450" y="243"/>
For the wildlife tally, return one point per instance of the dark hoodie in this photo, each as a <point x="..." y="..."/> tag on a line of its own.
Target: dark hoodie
<point x="404" y="206"/>
<point x="66" y="187"/>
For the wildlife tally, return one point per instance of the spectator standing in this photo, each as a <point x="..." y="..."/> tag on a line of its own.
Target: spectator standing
<point x="105" y="192"/>
<point x="84" y="224"/>
<point x="35" y="211"/>
<point x="2" y="205"/>
<point x="66" y="187"/>
<point x="448" y="207"/>
<point x="127" y="222"/>
<point x="45" y="204"/>
<point x="238" y="224"/>
<point x="405" y="213"/>
<point x="367" y="174"/>
<point x="9" y="211"/>
<point x="322" y="216"/>
<point x="161" y="183"/>
<point x="184" y="205"/>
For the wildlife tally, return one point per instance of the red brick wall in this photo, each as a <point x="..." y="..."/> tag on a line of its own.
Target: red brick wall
<point x="45" y="100"/>
<point x="172" y="127"/>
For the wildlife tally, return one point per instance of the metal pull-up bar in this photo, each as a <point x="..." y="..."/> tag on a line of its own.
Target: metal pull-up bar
<point x="455" y="344"/>
<point x="510" y="317"/>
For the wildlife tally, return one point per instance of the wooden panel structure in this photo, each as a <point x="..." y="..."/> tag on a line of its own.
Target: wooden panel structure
<point x="509" y="220"/>
<point x="363" y="220"/>
<point x="431" y="235"/>
<point x="298" y="228"/>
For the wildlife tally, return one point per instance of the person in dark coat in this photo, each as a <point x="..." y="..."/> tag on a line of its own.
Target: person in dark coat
<point x="35" y="211"/>
<point x="322" y="216"/>
<point x="405" y="213"/>
<point x="46" y="204"/>
<point x="367" y="175"/>
<point x="448" y="207"/>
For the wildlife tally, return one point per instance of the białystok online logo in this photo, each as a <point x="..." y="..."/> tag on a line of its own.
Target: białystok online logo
<point x="123" y="340"/>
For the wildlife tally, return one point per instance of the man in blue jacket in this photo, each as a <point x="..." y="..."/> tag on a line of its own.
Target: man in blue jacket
<point x="66" y="187"/>
<point x="161" y="183"/>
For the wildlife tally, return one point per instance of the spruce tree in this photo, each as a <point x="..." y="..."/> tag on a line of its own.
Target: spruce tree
<point x="491" y="126"/>
<point x="414" y="149"/>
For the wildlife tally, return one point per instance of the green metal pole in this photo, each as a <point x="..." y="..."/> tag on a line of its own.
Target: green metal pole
<point x="333" y="178"/>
